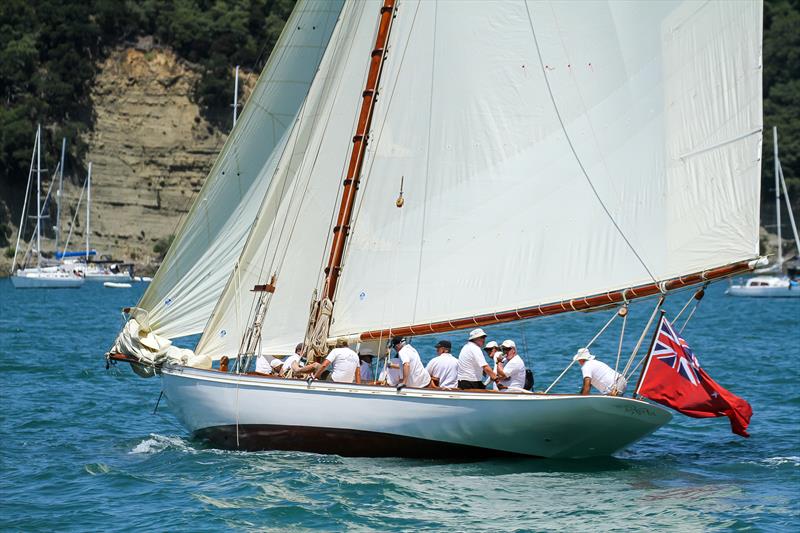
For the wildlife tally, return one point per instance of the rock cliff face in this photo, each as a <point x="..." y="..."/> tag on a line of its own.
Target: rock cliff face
<point x="150" y="149"/>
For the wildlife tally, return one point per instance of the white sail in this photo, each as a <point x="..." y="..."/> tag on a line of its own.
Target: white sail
<point x="290" y="238"/>
<point x="186" y="287"/>
<point x="551" y="150"/>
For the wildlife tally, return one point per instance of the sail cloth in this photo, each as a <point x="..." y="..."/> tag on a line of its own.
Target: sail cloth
<point x="187" y="285"/>
<point x="553" y="150"/>
<point x="290" y="237"/>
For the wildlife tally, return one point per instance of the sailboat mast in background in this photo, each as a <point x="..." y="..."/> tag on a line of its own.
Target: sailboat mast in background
<point x="88" y="208"/>
<point x="38" y="195"/>
<point x="236" y="96"/>
<point x="777" y="194"/>
<point x="60" y="191"/>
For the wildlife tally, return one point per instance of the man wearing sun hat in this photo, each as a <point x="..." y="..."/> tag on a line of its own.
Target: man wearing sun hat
<point x="599" y="375"/>
<point x="511" y="372"/>
<point x="471" y="363"/>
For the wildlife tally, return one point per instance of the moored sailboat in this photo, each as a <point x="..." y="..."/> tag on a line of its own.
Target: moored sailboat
<point x="581" y="126"/>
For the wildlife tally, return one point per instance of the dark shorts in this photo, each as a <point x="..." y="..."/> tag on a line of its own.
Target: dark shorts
<point x="463" y="384"/>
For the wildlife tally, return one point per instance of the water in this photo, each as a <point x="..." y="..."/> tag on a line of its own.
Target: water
<point x="81" y="449"/>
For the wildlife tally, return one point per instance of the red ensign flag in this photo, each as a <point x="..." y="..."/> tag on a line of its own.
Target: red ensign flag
<point x="673" y="377"/>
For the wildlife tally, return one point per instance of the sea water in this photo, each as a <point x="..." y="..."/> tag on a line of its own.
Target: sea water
<point x="82" y="450"/>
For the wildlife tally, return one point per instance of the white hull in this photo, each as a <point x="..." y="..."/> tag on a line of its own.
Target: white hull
<point x="114" y="285"/>
<point x="250" y="412"/>
<point x="118" y="278"/>
<point x="32" y="279"/>
<point x="766" y="287"/>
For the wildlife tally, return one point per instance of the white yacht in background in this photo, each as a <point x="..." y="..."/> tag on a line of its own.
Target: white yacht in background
<point x="777" y="285"/>
<point x="40" y="276"/>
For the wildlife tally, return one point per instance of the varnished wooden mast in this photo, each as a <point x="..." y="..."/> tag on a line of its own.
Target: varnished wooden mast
<point x="369" y="95"/>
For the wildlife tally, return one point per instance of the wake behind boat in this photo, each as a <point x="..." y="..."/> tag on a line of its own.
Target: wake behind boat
<point x="364" y="218"/>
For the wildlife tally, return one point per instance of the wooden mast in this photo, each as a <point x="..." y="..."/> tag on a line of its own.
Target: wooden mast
<point x="342" y="228"/>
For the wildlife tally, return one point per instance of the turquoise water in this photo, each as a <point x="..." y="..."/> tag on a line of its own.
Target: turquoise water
<point x="82" y="449"/>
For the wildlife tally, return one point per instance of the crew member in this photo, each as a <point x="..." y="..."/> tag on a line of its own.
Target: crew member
<point x="293" y="365"/>
<point x="443" y="368"/>
<point x="471" y="364"/>
<point x="343" y="362"/>
<point x="412" y="373"/>
<point x="599" y="375"/>
<point x="510" y="370"/>
<point x="365" y="355"/>
<point x="494" y="352"/>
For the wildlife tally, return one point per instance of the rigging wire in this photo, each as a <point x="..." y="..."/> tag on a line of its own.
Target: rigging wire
<point x="574" y="151"/>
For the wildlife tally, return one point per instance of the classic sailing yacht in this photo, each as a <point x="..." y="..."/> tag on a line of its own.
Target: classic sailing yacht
<point x="605" y="152"/>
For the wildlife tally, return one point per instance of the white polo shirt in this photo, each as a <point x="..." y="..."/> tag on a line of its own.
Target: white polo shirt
<point x="602" y="376"/>
<point x="287" y="364"/>
<point x="263" y="364"/>
<point x="391" y="375"/>
<point x="444" y="368"/>
<point x="471" y="363"/>
<point x="515" y="370"/>
<point x="417" y="375"/>
<point x="344" y="364"/>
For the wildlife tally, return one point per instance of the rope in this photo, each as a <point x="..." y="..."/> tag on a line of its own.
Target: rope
<point x="621" y="334"/>
<point x="625" y="373"/>
<point x="559" y="377"/>
<point x="698" y="297"/>
<point x="74" y="218"/>
<point x="602" y="330"/>
<point x="24" y="206"/>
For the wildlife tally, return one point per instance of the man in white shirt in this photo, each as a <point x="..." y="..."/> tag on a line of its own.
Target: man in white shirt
<point x="267" y="364"/>
<point x="293" y="365"/>
<point x="365" y="355"/>
<point x="412" y="373"/>
<point x="511" y="373"/>
<point x="443" y="368"/>
<point x="599" y="375"/>
<point x="343" y="362"/>
<point x="390" y="375"/>
<point x="494" y="352"/>
<point x="471" y="364"/>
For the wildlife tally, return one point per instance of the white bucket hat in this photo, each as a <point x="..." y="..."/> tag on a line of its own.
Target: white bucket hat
<point x="583" y="355"/>
<point x="490" y="345"/>
<point x="476" y="333"/>
<point x="275" y="363"/>
<point x="508" y="343"/>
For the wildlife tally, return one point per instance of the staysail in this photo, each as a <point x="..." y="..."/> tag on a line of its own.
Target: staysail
<point x="289" y="237"/>
<point x="187" y="285"/>
<point x="545" y="152"/>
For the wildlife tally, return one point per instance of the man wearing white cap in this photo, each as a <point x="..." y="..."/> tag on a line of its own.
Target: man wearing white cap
<point x="266" y="364"/>
<point x="494" y="352"/>
<point x="412" y="372"/>
<point x="511" y="374"/>
<point x="599" y="375"/>
<point x="471" y="364"/>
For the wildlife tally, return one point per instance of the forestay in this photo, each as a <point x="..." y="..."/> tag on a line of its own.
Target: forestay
<point x="186" y="287"/>
<point x="290" y="236"/>
<point x="553" y="150"/>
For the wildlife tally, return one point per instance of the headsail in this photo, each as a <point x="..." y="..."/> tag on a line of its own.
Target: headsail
<point x="548" y="152"/>
<point x="292" y="230"/>
<point x="184" y="291"/>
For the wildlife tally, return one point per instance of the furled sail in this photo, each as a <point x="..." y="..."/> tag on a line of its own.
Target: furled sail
<point x="185" y="289"/>
<point x="553" y="150"/>
<point x="291" y="232"/>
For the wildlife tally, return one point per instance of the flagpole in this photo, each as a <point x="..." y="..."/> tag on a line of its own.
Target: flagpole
<point x="649" y="354"/>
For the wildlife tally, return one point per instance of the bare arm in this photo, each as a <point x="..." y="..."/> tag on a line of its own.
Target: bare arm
<point x="358" y="375"/>
<point x="325" y="364"/>
<point x="488" y="372"/>
<point x="587" y="385"/>
<point x="404" y="373"/>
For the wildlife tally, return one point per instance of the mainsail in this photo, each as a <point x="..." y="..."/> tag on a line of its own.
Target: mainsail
<point x="553" y="150"/>
<point x="185" y="289"/>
